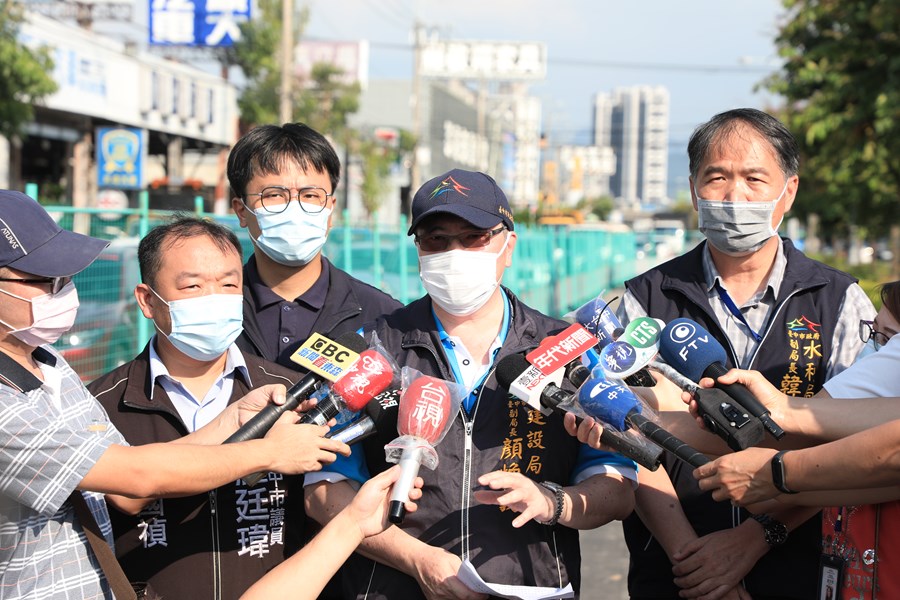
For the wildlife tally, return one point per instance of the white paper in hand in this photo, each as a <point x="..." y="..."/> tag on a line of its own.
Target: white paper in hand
<point x="472" y="580"/>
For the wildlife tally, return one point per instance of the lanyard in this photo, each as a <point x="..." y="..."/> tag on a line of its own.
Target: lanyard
<point x="450" y="353"/>
<point x="733" y="309"/>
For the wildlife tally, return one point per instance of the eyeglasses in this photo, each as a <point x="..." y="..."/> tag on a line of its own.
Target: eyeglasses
<point x="275" y="199"/>
<point x="439" y="242"/>
<point x="868" y="332"/>
<point x="56" y="283"/>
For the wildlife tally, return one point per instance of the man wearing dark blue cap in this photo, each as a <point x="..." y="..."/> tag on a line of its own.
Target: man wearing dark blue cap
<point x="517" y="458"/>
<point x="59" y="453"/>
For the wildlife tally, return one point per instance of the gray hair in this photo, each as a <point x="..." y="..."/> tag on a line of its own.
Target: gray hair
<point x="723" y="124"/>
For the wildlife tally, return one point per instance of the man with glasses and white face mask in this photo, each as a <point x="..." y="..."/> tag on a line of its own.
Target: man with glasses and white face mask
<point x="283" y="180"/>
<point x="553" y="485"/>
<point x="60" y="454"/>
<point x="217" y="544"/>
<point x="775" y="311"/>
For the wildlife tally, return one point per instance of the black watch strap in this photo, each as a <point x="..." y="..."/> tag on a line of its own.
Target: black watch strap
<point x="778" y="473"/>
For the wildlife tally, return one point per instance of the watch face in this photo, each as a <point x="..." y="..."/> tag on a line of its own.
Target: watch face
<point x="776" y="534"/>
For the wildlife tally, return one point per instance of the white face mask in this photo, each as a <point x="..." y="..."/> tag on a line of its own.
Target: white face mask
<point x="292" y="237"/>
<point x="204" y="327"/>
<point x="460" y="281"/>
<point x="51" y="316"/>
<point x="738" y="228"/>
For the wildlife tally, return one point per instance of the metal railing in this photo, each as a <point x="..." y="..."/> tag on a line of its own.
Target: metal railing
<point x="554" y="270"/>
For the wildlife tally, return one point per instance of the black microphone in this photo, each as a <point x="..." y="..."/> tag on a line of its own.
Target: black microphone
<point x="257" y="427"/>
<point x="685" y="345"/>
<point x="637" y="448"/>
<point x="617" y="406"/>
<point x="384" y="404"/>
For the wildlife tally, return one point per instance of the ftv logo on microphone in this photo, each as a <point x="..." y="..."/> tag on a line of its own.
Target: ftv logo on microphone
<point x="686" y="334"/>
<point x="325" y="357"/>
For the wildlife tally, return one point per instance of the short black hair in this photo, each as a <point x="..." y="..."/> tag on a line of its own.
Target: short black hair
<point x="181" y="227"/>
<point x="267" y="149"/>
<point x="771" y="129"/>
<point x="890" y="298"/>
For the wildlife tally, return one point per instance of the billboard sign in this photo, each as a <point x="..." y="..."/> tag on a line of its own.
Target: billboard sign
<point x="510" y="61"/>
<point x="121" y="156"/>
<point x="213" y="23"/>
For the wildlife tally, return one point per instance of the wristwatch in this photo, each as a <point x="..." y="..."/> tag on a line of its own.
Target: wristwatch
<point x="775" y="531"/>
<point x="778" y="473"/>
<point x="560" y="498"/>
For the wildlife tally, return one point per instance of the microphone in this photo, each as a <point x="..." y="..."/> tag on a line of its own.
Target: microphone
<point x="368" y="377"/>
<point x="346" y="347"/>
<point x="549" y="396"/>
<point x="606" y="327"/>
<point x="424" y="415"/>
<point x="695" y="353"/>
<point x="368" y="425"/>
<point x="617" y="405"/>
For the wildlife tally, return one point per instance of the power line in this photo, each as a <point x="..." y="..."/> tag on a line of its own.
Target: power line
<point x="603" y="64"/>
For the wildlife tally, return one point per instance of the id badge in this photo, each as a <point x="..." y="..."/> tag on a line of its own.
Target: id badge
<point x="831" y="577"/>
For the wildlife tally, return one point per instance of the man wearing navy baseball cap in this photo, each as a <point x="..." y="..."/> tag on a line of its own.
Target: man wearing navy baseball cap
<point x="520" y="459"/>
<point x="59" y="452"/>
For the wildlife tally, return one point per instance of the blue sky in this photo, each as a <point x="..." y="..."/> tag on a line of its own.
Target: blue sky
<point x="629" y="42"/>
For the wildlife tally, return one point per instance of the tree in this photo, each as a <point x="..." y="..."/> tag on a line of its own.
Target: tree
<point x="841" y="79"/>
<point x="24" y="73"/>
<point x="323" y="102"/>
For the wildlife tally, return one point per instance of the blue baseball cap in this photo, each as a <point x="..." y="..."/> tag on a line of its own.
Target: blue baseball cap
<point x="32" y="242"/>
<point x="469" y="195"/>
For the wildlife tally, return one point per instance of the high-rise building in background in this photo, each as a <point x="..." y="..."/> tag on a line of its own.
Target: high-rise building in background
<point x="634" y="121"/>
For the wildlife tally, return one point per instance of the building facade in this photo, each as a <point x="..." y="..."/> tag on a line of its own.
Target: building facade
<point x="634" y="121"/>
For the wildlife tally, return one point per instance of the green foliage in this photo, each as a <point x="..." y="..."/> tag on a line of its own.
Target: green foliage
<point x="376" y="166"/>
<point x="323" y="102"/>
<point x="841" y="78"/>
<point x="24" y="73"/>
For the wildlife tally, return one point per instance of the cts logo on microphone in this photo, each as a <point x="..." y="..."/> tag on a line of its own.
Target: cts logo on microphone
<point x="324" y="357"/>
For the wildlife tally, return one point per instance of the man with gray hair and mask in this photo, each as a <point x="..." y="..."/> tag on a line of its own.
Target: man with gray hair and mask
<point x="776" y="311"/>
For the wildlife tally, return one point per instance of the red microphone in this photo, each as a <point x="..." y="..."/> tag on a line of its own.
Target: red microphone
<point x="423" y="418"/>
<point x="368" y="377"/>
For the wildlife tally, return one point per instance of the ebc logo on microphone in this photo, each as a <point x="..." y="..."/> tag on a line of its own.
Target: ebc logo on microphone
<point x="324" y="357"/>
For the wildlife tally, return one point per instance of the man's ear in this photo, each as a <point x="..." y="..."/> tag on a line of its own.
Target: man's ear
<point x="790" y="192"/>
<point x="144" y="297"/>
<point x="240" y="210"/>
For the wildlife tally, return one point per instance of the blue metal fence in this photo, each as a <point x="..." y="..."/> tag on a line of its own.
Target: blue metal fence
<point x="555" y="269"/>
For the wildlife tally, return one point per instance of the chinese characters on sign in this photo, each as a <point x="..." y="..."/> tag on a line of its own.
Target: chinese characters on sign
<point x="121" y="153"/>
<point x="198" y="22"/>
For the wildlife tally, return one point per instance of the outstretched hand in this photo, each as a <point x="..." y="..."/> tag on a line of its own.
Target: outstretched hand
<point x="369" y="507"/>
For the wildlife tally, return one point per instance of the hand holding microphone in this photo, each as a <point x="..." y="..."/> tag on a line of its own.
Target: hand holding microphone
<point x="618" y="407"/>
<point x="517" y="375"/>
<point x="344" y="351"/>
<point x="695" y="353"/>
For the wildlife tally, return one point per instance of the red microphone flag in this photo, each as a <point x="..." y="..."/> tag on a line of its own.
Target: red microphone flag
<point x="369" y="376"/>
<point x="426" y="408"/>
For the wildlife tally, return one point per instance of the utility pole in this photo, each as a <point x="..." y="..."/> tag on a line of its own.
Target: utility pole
<point x="415" y="174"/>
<point x="287" y="60"/>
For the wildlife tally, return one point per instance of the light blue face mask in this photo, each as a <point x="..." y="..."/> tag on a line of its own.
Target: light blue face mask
<point x="867" y="349"/>
<point x="204" y="327"/>
<point x="293" y="237"/>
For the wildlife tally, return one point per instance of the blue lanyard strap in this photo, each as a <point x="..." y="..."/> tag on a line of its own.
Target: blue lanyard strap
<point x="733" y="309"/>
<point x="450" y="352"/>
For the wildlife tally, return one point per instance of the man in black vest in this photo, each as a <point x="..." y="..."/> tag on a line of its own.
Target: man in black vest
<point x="776" y="311"/>
<point x="498" y="451"/>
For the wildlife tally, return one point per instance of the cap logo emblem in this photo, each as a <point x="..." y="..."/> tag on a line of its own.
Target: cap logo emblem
<point x="448" y="185"/>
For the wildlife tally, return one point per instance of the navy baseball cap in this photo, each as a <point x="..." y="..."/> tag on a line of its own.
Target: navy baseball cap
<point x="469" y="195"/>
<point x="32" y="242"/>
